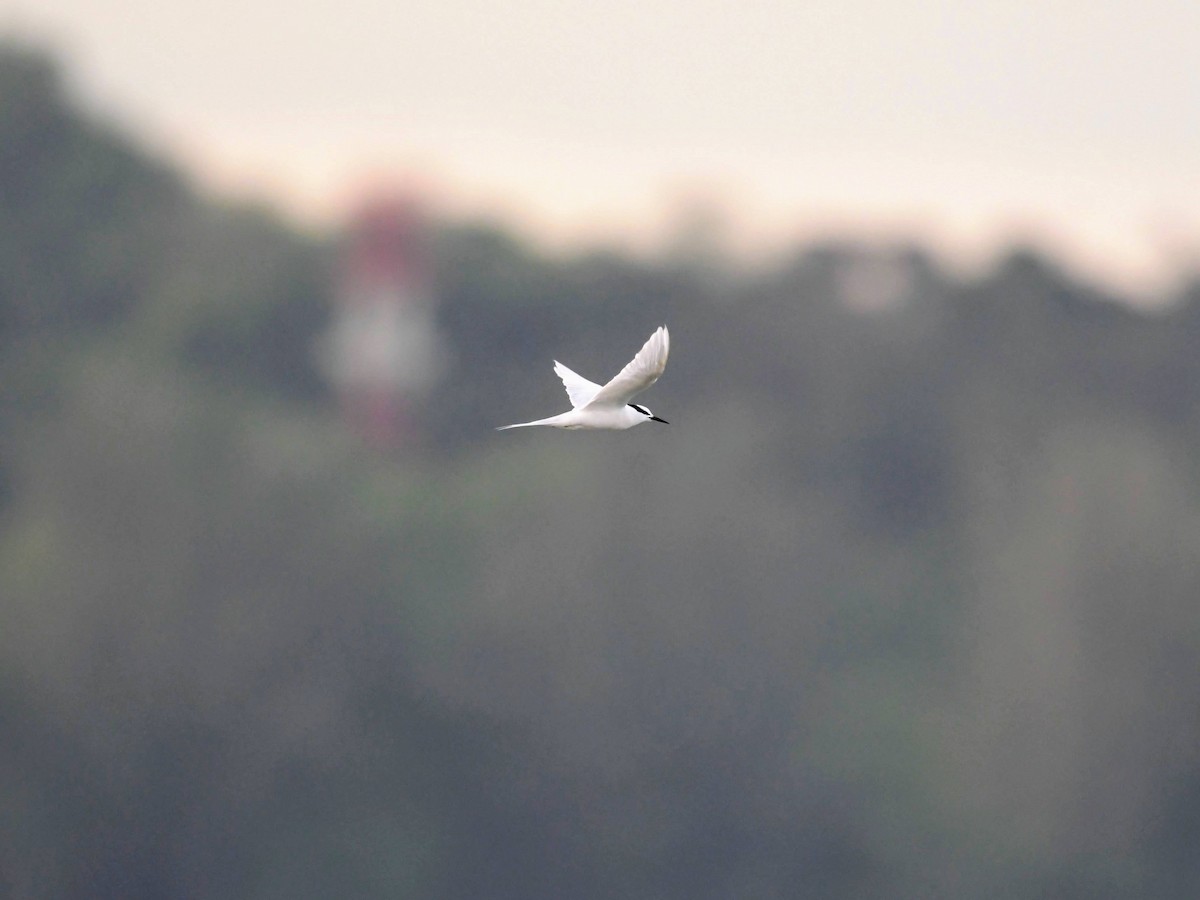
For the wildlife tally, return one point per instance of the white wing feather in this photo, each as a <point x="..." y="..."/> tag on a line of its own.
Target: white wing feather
<point x="579" y="389"/>
<point x="641" y="372"/>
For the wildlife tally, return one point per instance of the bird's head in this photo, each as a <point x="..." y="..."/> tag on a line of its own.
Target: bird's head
<point x="646" y="412"/>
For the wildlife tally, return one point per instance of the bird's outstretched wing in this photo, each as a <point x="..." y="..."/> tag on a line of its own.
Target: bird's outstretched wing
<point x="579" y="389"/>
<point x="641" y="372"/>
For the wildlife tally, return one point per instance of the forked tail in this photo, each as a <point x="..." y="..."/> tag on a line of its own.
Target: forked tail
<point x="552" y="421"/>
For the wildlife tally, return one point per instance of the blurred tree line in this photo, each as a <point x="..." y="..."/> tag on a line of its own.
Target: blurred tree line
<point x="903" y="603"/>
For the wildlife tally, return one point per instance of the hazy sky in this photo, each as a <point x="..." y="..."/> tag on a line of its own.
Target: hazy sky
<point x="958" y="122"/>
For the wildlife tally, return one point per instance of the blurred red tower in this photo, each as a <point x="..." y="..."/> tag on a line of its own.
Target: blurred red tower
<point x="383" y="349"/>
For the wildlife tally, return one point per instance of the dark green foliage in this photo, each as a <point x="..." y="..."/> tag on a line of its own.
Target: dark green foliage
<point x="82" y="213"/>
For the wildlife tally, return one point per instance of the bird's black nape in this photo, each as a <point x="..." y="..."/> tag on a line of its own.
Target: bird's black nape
<point x="645" y="412"/>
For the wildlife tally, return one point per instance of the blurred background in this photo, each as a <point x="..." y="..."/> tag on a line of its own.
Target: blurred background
<point x="902" y="603"/>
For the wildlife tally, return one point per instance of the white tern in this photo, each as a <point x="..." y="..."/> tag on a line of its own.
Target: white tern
<point x="608" y="407"/>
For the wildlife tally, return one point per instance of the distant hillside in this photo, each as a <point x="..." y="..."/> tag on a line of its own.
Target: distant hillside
<point x="902" y="603"/>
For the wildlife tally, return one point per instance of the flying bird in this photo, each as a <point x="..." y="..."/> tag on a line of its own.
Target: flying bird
<point x="608" y="407"/>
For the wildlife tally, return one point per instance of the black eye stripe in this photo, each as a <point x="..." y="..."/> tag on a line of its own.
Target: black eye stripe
<point x="641" y="409"/>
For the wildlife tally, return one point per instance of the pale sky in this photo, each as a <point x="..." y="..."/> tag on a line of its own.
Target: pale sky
<point x="961" y="124"/>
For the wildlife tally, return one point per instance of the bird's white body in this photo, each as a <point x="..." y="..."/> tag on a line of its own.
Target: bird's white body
<point x="611" y="419"/>
<point x="608" y="407"/>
